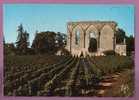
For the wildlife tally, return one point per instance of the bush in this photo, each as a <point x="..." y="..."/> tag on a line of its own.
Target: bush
<point x="110" y="52"/>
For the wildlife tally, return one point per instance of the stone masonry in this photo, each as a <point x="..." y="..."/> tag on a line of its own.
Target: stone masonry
<point x="103" y="31"/>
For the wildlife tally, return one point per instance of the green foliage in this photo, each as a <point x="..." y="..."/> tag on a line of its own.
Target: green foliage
<point x="111" y="64"/>
<point x="65" y="51"/>
<point x="48" y="75"/>
<point x="48" y="42"/>
<point x="22" y="42"/>
<point x="44" y="42"/>
<point x="120" y="35"/>
<point x="109" y="52"/>
<point x="9" y="49"/>
<point x="60" y="40"/>
<point x="130" y="42"/>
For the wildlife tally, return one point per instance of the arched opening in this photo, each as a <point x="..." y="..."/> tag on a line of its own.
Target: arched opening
<point x="92" y="43"/>
<point x="77" y="37"/>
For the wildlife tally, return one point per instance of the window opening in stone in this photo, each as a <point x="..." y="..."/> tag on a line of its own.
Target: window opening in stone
<point x="92" y="43"/>
<point x="77" y="37"/>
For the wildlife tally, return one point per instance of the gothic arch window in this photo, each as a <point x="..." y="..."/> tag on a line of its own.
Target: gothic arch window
<point x="77" y="37"/>
<point x="92" y="35"/>
<point x="92" y="42"/>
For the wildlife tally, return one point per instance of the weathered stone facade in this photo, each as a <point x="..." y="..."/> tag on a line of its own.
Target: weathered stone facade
<point x="103" y="31"/>
<point x="121" y="49"/>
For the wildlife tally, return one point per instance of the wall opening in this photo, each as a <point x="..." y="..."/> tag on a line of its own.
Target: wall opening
<point x="77" y="37"/>
<point x="92" y="43"/>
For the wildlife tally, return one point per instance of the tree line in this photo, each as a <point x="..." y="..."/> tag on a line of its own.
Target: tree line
<point x="130" y="40"/>
<point x="44" y="42"/>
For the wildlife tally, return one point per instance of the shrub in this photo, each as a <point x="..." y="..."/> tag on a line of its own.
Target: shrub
<point x="110" y="52"/>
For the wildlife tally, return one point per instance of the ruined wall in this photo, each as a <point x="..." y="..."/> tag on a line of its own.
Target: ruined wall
<point x="107" y="38"/>
<point x="120" y="49"/>
<point x="104" y="32"/>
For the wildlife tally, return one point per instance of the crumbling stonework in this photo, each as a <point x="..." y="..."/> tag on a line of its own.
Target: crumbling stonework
<point x="103" y="31"/>
<point x="120" y="49"/>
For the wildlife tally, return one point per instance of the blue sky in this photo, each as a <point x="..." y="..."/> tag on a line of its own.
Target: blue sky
<point x="54" y="17"/>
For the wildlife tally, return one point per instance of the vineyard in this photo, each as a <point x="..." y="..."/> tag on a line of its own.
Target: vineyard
<point x="51" y="75"/>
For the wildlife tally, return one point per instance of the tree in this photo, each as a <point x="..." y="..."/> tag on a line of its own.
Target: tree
<point x="44" y="42"/>
<point x="130" y="42"/>
<point x="22" y="42"/>
<point x="9" y="49"/>
<point x="60" y="40"/>
<point x="120" y="35"/>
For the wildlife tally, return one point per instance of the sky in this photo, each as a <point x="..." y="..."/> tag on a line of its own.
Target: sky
<point x="54" y="17"/>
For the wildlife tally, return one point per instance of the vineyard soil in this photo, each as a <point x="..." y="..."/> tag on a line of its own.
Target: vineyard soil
<point x="51" y="75"/>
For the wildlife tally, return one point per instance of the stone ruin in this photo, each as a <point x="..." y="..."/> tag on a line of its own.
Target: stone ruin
<point x="103" y="33"/>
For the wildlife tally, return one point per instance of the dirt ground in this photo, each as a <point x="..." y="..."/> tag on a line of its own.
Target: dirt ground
<point x="119" y="84"/>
